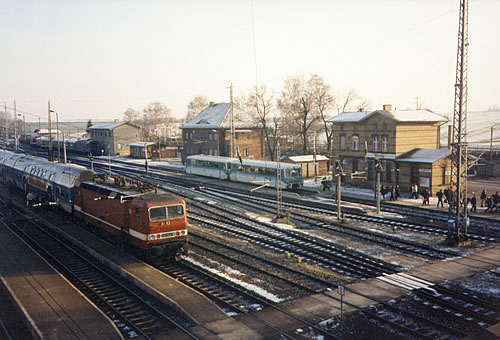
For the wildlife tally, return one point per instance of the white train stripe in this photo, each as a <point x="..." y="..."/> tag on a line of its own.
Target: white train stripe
<point x="137" y="234"/>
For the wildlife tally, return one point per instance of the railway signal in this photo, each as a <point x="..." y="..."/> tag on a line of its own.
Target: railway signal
<point x="339" y="172"/>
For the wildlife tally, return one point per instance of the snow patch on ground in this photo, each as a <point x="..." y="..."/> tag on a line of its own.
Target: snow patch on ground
<point x="246" y="285"/>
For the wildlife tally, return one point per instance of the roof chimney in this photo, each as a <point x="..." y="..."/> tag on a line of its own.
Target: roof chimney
<point x="387" y="107"/>
<point x="212" y="104"/>
<point x="116" y="120"/>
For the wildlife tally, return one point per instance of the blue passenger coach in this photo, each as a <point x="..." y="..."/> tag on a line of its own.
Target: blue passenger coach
<point x="245" y="171"/>
<point x="48" y="181"/>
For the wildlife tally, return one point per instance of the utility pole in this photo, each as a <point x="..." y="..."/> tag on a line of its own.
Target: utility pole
<point x="24" y="128"/>
<point x="58" y="142"/>
<point x="491" y="144"/>
<point x="458" y="183"/>
<point x="64" y="148"/>
<point x="6" y="123"/>
<point x="314" y="160"/>
<point x="279" y="191"/>
<point x="378" y="170"/>
<point x="50" y="155"/>
<point x="339" y="172"/>
<point x="15" y="126"/>
<point x="232" y="120"/>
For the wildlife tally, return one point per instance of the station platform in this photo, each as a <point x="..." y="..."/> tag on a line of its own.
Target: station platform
<point x="51" y="308"/>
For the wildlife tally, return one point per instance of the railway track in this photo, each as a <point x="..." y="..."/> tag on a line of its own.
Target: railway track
<point x="315" y="250"/>
<point x="237" y="300"/>
<point x="349" y="229"/>
<point x="434" y="228"/>
<point x="135" y="313"/>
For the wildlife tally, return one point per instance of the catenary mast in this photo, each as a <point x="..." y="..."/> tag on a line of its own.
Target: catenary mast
<point x="458" y="182"/>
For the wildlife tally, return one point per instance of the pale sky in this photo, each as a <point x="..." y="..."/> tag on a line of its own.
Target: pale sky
<point x="94" y="59"/>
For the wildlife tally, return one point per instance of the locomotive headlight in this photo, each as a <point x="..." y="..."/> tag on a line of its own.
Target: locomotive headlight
<point x="152" y="237"/>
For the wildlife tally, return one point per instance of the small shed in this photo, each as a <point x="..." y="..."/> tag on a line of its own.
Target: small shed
<point x="138" y="149"/>
<point x="307" y="164"/>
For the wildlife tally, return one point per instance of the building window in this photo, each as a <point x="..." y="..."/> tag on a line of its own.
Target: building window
<point x="384" y="126"/>
<point x="374" y="127"/>
<point x="355" y="143"/>
<point x="384" y="144"/>
<point x="375" y="143"/>
<point x="341" y="127"/>
<point x="342" y="142"/>
<point x="388" y="174"/>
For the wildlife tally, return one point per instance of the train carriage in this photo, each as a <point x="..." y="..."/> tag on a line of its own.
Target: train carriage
<point x="245" y="170"/>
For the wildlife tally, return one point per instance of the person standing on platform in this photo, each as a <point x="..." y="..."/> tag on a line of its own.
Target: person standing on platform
<point x="489" y="205"/>
<point x="483" y="197"/>
<point x="398" y="193"/>
<point x="473" y="202"/>
<point x="440" y="195"/>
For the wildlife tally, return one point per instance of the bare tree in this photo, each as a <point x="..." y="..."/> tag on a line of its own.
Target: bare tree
<point x="297" y="104"/>
<point x="324" y="102"/>
<point x="260" y="104"/>
<point x="157" y="117"/>
<point x="351" y="101"/>
<point x="132" y="116"/>
<point x="195" y="106"/>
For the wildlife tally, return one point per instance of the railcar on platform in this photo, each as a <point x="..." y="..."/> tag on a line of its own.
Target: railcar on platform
<point x="245" y="170"/>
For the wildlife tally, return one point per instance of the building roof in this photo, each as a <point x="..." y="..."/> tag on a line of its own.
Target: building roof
<point x="218" y="116"/>
<point x="398" y="116"/>
<point x="142" y="144"/>
<point x="307" y="158"/>
<point x="107" y="126"/>
<point x="423" y="155"/>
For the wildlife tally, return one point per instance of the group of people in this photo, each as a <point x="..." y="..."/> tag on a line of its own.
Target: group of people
<point x="393" y="190"/>
<point x="492" y="202"/>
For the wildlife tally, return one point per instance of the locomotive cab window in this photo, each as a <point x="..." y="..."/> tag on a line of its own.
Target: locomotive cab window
<point x="163" y="213"/>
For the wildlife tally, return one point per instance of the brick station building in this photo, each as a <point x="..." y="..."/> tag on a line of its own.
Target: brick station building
<point x="406" y="143"/>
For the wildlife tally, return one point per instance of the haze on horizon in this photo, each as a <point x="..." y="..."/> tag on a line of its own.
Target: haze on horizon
<point x="94" y="59"/>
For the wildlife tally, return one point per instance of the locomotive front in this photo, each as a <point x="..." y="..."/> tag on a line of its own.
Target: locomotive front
<point x="166" y="225"/>
<point x="153" y="222"/>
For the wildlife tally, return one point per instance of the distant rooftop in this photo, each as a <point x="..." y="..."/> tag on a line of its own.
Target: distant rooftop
<point x="218" y="116"/>
<point x="106" y="126"/>
<point x="398" y="116"/>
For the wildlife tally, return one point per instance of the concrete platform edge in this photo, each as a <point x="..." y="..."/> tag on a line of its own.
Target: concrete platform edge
<point x="35" y="332"/>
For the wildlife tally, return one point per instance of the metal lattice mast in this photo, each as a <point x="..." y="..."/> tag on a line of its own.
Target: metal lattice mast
<point x="279" y="191"/>
<point x="458" y="181"/>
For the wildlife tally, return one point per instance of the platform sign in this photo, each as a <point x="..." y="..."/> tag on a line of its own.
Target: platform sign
<point x="341" y="290"/>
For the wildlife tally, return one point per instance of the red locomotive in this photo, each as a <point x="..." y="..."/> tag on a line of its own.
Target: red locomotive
<point x="152" y="221"/>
